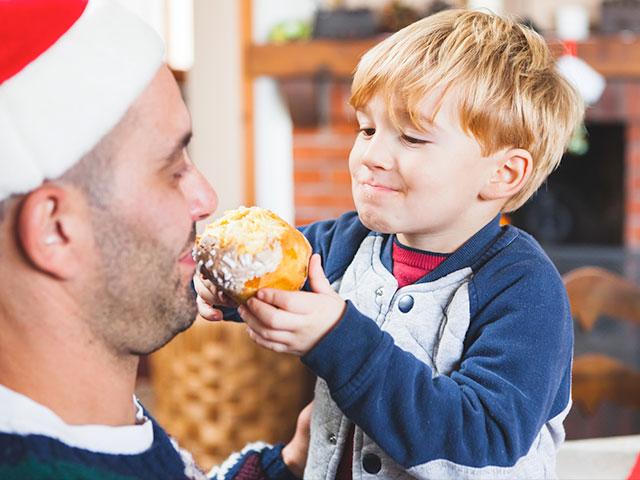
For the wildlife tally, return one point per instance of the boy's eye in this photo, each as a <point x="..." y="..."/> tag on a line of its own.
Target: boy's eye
<point x="413" y="140"/>
<point x="367" y="132"/>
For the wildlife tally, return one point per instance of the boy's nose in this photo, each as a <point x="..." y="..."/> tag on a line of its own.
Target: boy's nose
<point x="202" y="198"/>
<point x="377" y="156"/>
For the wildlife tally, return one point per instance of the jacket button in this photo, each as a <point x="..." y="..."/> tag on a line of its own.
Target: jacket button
<point x="379" y="291"/>
<point x="371" y="463"/>
<point x="405" y="303"/>
<point x="332" y="439"/>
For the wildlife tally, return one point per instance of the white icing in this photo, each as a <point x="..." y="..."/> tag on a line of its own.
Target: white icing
<point x="230" y="270"/>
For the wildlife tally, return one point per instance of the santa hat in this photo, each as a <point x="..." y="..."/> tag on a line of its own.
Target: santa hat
<point x="69" y="70"/>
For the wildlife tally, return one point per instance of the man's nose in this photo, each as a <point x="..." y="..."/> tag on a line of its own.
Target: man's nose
<point x="202" y="198"/>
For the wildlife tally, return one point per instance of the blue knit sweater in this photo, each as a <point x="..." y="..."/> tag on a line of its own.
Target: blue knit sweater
<point x="39" y="457"/>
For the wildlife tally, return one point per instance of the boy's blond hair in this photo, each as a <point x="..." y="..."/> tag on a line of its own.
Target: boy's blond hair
<point x="511" y="93"/>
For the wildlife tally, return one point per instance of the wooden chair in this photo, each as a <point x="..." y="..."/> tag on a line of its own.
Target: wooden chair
<point x="594" y="292"/>
<point x="216" y="390"/>
<point x="598" y="378"/>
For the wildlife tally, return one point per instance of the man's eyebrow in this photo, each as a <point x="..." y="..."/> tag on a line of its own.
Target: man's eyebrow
<point x="180" y="145"/>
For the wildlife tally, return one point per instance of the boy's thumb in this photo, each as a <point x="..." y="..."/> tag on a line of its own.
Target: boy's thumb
<point x="317" y="279"/>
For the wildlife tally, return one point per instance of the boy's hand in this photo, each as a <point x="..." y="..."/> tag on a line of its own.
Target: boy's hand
<point x="293" y="322"/>
<point x="294" y="454"/>
<point x="209" y="297"/>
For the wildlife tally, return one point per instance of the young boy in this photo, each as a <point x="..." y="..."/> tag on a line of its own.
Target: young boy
<point x="442" y="341"/>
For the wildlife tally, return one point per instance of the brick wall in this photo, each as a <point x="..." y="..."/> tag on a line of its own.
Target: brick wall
<point x="322" y="185"/>
<point x="321" y="176"/>
<point x="632" y="186"/>
<point x="621" y="103"/>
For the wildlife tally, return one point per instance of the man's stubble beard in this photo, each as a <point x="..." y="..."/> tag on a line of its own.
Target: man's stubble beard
<point x="139" y="301"/>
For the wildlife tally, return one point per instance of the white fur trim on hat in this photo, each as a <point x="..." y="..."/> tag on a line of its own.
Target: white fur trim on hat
<point x="64" y="102"/>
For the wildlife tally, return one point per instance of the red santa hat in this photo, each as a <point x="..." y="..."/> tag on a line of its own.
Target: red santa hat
<point x="69" y="70"/>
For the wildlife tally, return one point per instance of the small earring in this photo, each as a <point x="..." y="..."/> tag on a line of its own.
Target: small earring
<point x="50" y="240"/>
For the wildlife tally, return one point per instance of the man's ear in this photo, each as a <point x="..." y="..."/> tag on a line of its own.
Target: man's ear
<point x="513" y="170"/>
<point x="49" y="225"/>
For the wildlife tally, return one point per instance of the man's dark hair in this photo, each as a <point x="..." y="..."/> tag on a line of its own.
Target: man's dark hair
<point x="6" y="204"/>
<point x="92" y="174"/>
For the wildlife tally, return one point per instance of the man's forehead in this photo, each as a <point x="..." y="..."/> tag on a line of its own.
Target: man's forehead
<point x="162" y="95"/>
<point x="159" y="117"/>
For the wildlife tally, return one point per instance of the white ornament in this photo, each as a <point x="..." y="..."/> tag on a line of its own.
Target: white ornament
<point x="583" y="77"/>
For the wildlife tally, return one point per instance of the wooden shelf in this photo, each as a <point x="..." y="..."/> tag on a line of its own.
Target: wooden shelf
<point x="337" y="57"/>
<point x="614" y="57"/>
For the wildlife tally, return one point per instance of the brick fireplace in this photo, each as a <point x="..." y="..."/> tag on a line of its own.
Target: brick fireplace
<point x="621" y="103"/>
<point x="322" y="185"/>
<point x="321" y="178"/>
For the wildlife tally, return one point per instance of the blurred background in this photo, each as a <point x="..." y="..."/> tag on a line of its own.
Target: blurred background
<point x="267" y="83"/>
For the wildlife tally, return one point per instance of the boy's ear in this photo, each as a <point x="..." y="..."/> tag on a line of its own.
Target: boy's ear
<point x="514" y="169"/>
<point x="49" y="230"/>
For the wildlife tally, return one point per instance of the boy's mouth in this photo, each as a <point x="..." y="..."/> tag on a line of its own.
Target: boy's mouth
<point x="378" y="187"/>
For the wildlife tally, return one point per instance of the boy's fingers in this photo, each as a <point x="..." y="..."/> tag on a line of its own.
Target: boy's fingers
<point x="207" y="312"/>
<point x="203" y="290"/>
<point x="268" y="316"/>
<point x="293" y="302"/>
<point x="317" y="279"/>
<point x="210" y="293"/>
<point x="253" y="322"/>
<point x="272" y="336"/>
<point x="276" y="347"/>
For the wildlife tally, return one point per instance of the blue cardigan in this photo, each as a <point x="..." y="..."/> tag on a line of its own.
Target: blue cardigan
<point x="514" y="374"/>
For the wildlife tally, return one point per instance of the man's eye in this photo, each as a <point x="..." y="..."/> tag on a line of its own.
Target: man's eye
<point x="179" y="173"/>
<point x="413" y="140"/>
<point x="367" y="132"/>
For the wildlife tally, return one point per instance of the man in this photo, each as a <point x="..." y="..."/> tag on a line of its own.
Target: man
<point x="98" y="202"/>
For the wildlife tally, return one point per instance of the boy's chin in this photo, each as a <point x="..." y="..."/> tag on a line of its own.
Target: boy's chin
<point x="375" y="221"/>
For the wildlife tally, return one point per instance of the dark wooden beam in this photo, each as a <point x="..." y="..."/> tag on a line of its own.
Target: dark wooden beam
<point x="614" y="57"/>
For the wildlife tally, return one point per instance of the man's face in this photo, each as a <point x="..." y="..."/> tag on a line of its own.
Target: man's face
<point x="139" y="292"/>
<point x="416" y="183"/>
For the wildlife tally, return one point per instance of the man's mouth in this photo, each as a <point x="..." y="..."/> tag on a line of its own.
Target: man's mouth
<point x="187" y="256"/>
